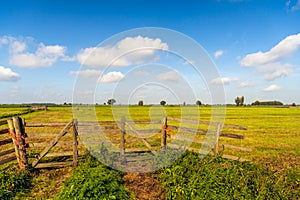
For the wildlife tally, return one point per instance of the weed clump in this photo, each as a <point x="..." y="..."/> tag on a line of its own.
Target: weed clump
<point x="216" y="178"/>
<point x="93" y="180"/>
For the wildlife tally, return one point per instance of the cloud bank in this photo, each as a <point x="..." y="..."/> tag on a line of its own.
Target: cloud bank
<point x="130" y="50"/>
<point x="270" y="62"/>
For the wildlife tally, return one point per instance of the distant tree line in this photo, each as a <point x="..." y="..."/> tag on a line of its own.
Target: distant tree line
<point x="267" y="103"/>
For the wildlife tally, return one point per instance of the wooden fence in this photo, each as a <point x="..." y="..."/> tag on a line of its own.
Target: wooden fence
<point x="217" y="127"/>
<point x="49" y="145"/>
<point x="30" y="153"/>
<point x="144" y="136"/>
<point x="53" y="145"/>
<point x="13" y="142"/>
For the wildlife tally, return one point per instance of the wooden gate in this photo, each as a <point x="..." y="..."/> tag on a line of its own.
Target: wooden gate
<point x="48" y="145"/>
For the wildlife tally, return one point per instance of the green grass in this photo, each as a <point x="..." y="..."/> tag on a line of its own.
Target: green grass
<point x="273" y="135"/>
<point x="190" y="177"/>
<point x="93" y="180"/>
<point x="13" y="182"/>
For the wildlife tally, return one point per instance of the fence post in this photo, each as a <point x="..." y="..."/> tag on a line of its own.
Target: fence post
<point x="18" y="133"/>
<point x="164" y="132"/>
<point x="122" y="143"/>
<point x="75" y="143"/>
<point x="218" y="129"/>
<point x="13" y="136"/>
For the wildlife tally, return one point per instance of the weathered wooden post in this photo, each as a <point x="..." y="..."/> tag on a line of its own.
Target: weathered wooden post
<point x="122" y="143"/>
<point x="13" y="136"/>
<point x="17" y="131"/>
<point x="218" y="130"/>
<point x="164" y="133"/>
<point x="75" y="143"/>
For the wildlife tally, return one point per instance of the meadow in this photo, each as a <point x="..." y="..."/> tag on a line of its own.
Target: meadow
<point x="272" y="134"/>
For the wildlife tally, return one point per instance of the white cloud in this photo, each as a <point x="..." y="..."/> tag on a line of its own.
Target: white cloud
<point x="274" y="73"/>
<point x="111" y="77"/>
<point x="45" y="56"/>
<point x="87" y="73"/>
<point x="137" y="49"/>
<point x="219" y="53"/>
<point x="294" y="7"/>
<point x="169" y="76"/>
<point x="245" y="84"/>
<point x="223" y="80"/>
<point x="5" y="40"/>
<point x="7" y="74"/>
<point x="17" y="47"/>
<point x="271" y="88"/>
<point x="269" y="63"/>
<point x="284" y="48"/>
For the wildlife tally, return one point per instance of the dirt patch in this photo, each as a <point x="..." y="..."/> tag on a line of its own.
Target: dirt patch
<point x="144" y="186"/>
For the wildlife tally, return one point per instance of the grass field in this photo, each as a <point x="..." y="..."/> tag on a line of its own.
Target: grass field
<point x="273" y="134"/>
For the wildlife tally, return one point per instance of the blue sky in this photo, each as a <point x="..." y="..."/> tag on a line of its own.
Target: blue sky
<point x="255" y="46"/>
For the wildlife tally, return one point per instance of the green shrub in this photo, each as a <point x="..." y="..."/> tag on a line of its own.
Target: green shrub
<point x="93" y="180"/>
<point x="13" y="182"/>
<point x="216" y="178"/>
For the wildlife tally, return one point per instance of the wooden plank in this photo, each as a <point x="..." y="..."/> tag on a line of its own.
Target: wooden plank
<point x="234" y="136"/>
<point x="53" y="165"/>
<point x="217" y="135"/>
<point x="164" y="125"/>
<point x="158" y="122"/>
<point x="32" y="124"/>
<point x="52" y="144"/>
<point x="42" y="135"/>
<point x="4" y="131"/>
<point x="75" y="143"/>
<point x="44" y="144"/>
<point x="236" y="147"/>
<point x="6" y="141"/>
<point x="193" y="130"/>
<point x="3" y="122"/>
<point x="122" y="142"/>
<point x="3" y="153"/>
<point x="146" y="131"/>
<point x="59" y="154"/>
<point x="142" y="139"/>
<point x="9" y="159"/>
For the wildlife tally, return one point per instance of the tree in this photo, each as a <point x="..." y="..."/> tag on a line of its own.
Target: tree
<point x="163" y="103"/>
<point x="256" y="103"/>
<point x="237" y="101"/>
<point x="242" y="100"/>
<point x="293" y="104"/>
<point x="198" y="103"/>
<point x="141" y="103"/>
<point x="111" y="101"/>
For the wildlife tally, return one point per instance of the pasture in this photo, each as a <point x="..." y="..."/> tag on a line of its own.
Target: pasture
<point x="272" y="134"/>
